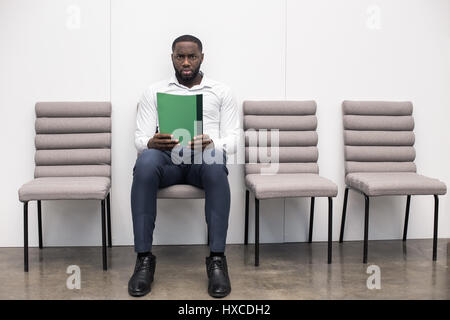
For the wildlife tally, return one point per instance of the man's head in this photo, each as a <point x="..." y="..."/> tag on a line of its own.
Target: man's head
<point x="187" y="57"/>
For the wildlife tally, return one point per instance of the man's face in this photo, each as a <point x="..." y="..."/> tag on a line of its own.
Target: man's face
<point x="187" y="59"/>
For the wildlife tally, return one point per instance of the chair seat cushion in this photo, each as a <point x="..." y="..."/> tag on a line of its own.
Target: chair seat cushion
<point x="181" y="191"/>
<point x="65" y="188"/>
<point x="288" y="185"/>
<point x="394" y="183"/>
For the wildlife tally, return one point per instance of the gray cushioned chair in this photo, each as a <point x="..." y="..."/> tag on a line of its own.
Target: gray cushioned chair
<point x="379" y="158"/>
<point x="298" y="172"/>
<point x="73" y="160"/>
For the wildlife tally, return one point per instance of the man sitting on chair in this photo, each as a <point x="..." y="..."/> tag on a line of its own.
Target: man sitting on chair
<point x="155" y="168"/>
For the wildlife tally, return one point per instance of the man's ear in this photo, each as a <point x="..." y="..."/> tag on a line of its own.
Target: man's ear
<point x="203" y="55"/>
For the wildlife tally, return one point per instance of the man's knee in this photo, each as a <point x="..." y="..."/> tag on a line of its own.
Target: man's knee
<point x="214" y="172"/>
<point x="149" y="162"/>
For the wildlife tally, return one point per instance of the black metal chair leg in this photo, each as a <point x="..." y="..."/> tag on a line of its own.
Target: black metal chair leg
<point x="311" y="220"/>
<point x="108" y="215"/>
<point x="246" y="217"/>
<point x="405" y="228"/>
<point x="330" y="228"/>
<point x="39" y="223"/>
<point x="344" y="212"/>
<point x="105" y="267"/>
<point x="366" y="229"/>
<point x="435" y="232"/>
<point x="256" y="232"/>
<point x="25" y="236"/>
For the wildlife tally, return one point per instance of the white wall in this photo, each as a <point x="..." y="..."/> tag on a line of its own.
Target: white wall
<point x="47" y="54"/>
<point x="323" y="50"/>
<point x="339" y="50"/>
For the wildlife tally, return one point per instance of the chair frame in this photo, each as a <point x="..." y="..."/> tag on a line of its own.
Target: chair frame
<point x="106" y="226"/>
<point x="405" y="227"/>
<point x="311" y="221"/>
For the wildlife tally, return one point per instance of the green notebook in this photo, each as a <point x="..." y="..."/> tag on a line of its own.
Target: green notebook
<point x="180" y="112"/>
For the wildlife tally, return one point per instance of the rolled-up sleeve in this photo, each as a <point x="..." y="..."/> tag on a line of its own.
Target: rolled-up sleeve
<point x="146" y="120"/>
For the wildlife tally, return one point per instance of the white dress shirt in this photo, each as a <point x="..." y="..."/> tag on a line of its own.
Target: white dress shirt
<point x="220" y="113"/>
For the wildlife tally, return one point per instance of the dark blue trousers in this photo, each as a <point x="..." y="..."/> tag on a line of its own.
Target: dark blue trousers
<point x="156" y="169"/>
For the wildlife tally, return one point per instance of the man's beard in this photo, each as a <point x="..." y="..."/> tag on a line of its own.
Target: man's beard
<point x="187" y="78"/>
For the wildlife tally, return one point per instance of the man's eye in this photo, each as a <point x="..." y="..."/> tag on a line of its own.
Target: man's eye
<point x="191" y="57"/>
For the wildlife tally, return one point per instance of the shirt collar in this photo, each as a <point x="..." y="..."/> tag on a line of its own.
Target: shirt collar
<point x="206" y="82"/>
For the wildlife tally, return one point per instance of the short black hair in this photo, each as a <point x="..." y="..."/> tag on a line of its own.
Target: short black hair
<point x="188" y="38"/>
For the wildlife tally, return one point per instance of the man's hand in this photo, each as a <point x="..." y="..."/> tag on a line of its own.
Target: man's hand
<point x="162" y="141"/>
<point x="202" y="141"/>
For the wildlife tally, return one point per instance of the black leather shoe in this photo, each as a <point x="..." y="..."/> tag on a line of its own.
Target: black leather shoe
<point x="142" y="278"/>
<point x="219" y="283"/>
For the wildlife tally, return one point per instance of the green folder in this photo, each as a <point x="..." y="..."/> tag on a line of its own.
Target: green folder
<point x="180" y="112"/>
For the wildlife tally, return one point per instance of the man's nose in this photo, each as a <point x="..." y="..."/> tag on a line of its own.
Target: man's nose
<point x="186" y="62"/>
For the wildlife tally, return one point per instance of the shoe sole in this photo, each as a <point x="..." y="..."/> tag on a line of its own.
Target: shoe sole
<point x="221" y="295"/>
<point x="139" y="294"/>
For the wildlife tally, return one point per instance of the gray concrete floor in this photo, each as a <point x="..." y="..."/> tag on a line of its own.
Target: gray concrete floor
<point x="287" y="271"/>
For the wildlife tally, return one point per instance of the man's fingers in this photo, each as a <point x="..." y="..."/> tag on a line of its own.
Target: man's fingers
<point x="166" y="144"/>
<point x="202" y="136"/>
<point x="197" y="139"/>
<point x="199" y="142"/>
<point x="163" y="136"/>
<point x="167" y="141"/>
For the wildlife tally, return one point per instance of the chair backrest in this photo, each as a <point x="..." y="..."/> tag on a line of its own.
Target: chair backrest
<point x="73" y="139"/>
<point x="378" y="136"/>
<point x="296" y="122"/>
